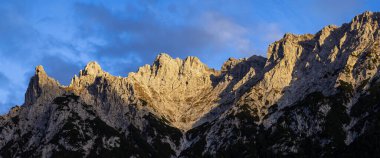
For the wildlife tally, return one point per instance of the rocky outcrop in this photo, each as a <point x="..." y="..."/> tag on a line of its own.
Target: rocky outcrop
<point x="307" y="95"/>
<point x="42" y="88"/>
<point x="315" y="95"/>
<point x="176" y="88"/>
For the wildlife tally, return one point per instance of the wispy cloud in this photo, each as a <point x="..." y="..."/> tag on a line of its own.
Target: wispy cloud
<point x="226" y="32"/>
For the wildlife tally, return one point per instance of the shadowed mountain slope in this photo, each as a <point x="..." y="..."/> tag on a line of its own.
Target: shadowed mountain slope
<point x="314" y="96"/>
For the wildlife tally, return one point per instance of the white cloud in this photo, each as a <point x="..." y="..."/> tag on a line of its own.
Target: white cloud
<point x="271" y="31"/>
<point x="226" y="32"/>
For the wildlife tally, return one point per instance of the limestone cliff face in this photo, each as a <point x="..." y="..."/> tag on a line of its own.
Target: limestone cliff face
<point x="181" y="91"/>
<point x="315" y="95"/>
<point x="176" y="88"/>
<point x="42" y="88"/>
<point x="309" y="63"/>
<point x="310" y="91"/>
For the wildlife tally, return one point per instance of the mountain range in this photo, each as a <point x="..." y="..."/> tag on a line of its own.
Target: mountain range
<point x="315" y="95"/>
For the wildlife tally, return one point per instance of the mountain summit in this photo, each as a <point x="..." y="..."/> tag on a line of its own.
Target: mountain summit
<point x="316" y="95"/>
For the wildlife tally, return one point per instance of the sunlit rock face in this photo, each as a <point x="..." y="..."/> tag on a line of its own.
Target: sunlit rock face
<point x="315" y="95"/>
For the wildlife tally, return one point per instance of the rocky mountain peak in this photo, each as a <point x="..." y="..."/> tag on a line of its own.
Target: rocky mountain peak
<point x="192" y="60"/>
<point x="166" y="59"/>
<point x="91" y="75"/>
<point x="367" y="20"/>
<point x="40" y="70"/>
<point x="93" y="69"/>
<point x="286" y="48"/>
<point x="177" y="84"/>
<point x="162" y="57"/>
<point x="238" y="68"/>
<point x="41" y="85"/>
<point x="321" y="90"/>
<point x="366" y="16"/>
<point x="167" y="67"/>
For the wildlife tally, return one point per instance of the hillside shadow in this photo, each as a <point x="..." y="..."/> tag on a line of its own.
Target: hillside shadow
<point x="325" y="73"/>
<point x="311" y="48"/>
<point x="314" y="61"/>
<point x="228" y="95"/>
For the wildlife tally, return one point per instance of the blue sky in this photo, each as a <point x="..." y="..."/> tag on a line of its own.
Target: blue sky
<point x="123" y="35"/>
